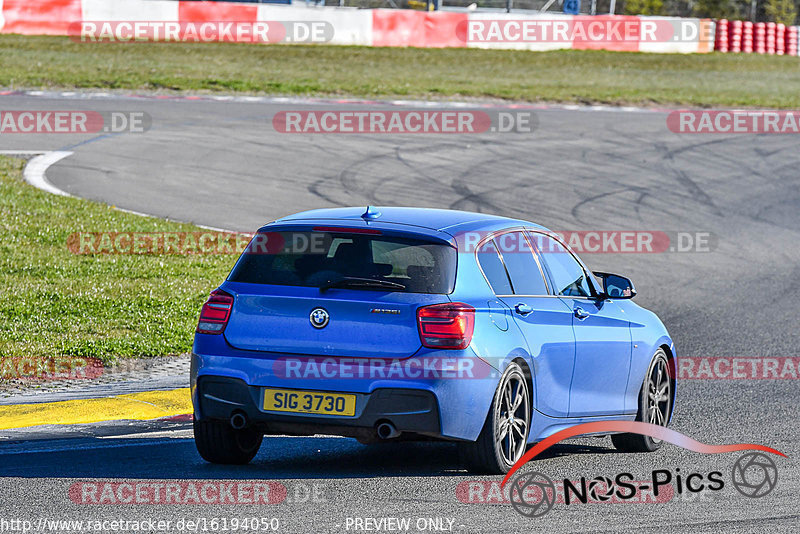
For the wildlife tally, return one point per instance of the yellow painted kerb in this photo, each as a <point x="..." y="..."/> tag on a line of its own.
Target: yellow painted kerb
<point x="140" y="406"/>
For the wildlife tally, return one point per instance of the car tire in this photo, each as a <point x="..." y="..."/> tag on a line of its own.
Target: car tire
<point x="504" y="436"/>
<point x="655" y="406"/>
<point x="219" y="443"/>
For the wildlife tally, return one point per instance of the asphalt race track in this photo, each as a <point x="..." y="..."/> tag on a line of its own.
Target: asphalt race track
<point x="221" y="164"/>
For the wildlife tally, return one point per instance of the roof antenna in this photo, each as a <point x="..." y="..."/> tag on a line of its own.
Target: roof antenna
<point x="371" y="213"/>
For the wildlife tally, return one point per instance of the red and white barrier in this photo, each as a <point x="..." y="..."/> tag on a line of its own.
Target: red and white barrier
<point x="760" y="38"/>
<point x="735" y="37"/>
<point x="747" y="37"/>
<point x="722" y="35"/>
<point x="369" y="27"/>
<point x="688" y="36"/>
<point x="791" y="40"/>
<point x="393" y="27"/>
<point x="769" y="41"/>
<point x="48" y="17"/>
<point x="351" y="26"/>
<point x="130" y="10"/>
<point x="510" y="18"/>
<point x="404" y="27"/>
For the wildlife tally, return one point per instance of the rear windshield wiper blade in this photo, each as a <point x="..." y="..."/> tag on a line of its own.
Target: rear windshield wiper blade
<point x="355" y="283"/>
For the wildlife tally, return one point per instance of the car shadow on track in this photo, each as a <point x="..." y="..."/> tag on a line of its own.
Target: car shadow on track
<point x="280" y="457"/>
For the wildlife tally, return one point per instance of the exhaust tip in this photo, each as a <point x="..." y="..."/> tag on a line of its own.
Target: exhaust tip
<point x="387" y="431"/>
<point x="238" y="421"/>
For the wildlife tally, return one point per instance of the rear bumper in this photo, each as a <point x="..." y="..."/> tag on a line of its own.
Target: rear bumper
<point x="409" y="410"/>
<point x="436" y="407"/>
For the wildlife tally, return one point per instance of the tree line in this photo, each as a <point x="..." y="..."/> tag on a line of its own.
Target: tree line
<point x="782" y="11"/>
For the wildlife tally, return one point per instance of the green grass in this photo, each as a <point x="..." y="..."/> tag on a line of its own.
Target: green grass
<point x="560" y="76"/>
<point x="55" y="303"/>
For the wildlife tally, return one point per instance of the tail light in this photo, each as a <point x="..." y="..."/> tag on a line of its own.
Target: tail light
<point x="446" y="326"/>
<point x="215" y="313"/>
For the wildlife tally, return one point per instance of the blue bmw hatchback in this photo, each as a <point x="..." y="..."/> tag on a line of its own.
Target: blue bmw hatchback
<point x="409" y="323"/>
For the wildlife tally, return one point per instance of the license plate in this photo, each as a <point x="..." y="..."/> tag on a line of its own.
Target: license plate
<point x="318" y="402"/>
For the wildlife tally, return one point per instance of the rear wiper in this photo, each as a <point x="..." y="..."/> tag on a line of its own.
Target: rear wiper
<point x="354" y="282"/>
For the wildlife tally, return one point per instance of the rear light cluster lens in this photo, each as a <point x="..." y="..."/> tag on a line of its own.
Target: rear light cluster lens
<point x="215" y="313"/>
<point x="446" y="326"/>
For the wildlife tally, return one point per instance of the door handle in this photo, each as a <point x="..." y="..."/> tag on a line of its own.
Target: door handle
<point x="523" y="309"/>
<point x="580" y="313"/>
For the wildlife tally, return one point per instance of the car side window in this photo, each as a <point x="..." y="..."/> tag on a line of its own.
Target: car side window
<point x="517" y="254"/>
<point x="493" y="268"/>
<point x="567" y="274"/>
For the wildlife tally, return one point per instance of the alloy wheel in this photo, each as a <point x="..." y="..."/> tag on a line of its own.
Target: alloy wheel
<point x="658" y="394"/>
<point x="512" y="418"/>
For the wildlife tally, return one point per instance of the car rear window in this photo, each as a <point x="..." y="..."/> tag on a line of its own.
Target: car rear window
<point x="315" y="259"/>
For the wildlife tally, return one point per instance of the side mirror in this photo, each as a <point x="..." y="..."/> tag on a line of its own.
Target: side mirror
<point x="616" y="286"/>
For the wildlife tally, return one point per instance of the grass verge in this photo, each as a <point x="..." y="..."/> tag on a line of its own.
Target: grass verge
<point x="56" y="303"/>
<point x="717" y="79"/>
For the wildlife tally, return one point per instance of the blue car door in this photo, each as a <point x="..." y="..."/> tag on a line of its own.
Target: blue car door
<point x="518" y="281"/>
<point x="602" y="334"/>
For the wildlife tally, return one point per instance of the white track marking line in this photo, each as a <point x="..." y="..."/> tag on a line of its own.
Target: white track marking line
<point x="189" y="97"/>
<point x="35" y="173"/>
